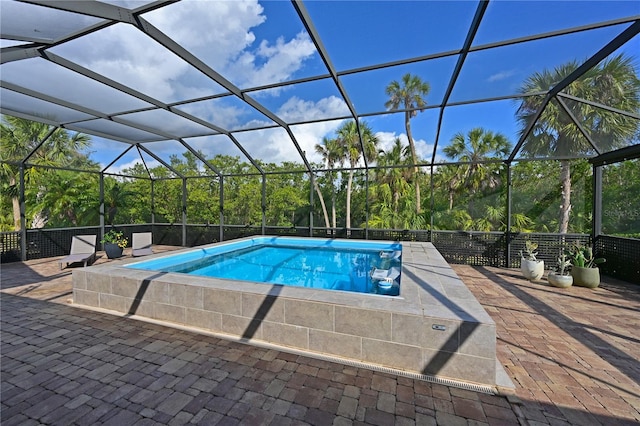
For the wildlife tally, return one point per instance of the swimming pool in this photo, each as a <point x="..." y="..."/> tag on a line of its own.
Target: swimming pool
<point x="355" y="266"/>
<point x="434" y="327"/>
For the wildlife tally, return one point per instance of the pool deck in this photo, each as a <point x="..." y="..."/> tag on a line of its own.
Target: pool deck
<point x="571" y="353"/>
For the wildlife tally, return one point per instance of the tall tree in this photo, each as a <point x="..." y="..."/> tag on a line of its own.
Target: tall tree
<point x="409" y="94"/>
<point x="395" y="178"/>
<point x="285" y="196"/>
<point x="332" y="155"/>
<point x="474" y="148"/>
<point x="449" y="177"/>
<point x="65" y="198"/>
<point x="323" y="205"/>
<point x="613" y="82"/>
<point x="116" y="196"/>
<point x="20" y="137"/>
<point x="349" y="138"/>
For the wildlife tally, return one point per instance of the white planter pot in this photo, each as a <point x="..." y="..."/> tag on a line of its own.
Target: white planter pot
<point x="532" y="270"/>
<point x="561" y="281"/>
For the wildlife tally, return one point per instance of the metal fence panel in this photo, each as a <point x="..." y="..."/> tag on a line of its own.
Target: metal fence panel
<point x="622" y="257"/>
<point x="10" y="247"/>
<point x="457" y="247"/>
<point x="471" y="248"/>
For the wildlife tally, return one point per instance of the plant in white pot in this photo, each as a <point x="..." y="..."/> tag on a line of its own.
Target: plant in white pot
<point x="531" y="268"/>
<point x="584" y="267"/>
<point x="561" y="277"/>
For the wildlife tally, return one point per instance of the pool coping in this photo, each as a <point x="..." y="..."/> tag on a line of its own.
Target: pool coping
<point x="435" y="327"/>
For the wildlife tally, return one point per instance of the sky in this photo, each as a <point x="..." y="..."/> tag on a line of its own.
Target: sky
<point x="253" y="43"/>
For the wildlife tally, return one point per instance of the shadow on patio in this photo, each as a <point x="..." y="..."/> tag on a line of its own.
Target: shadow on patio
<point x="572" y="349"/>
<point x="571" y="354"/>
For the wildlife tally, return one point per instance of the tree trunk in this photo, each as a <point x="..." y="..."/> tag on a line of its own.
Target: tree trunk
<point x="324" y="207"/>
<point x="333" y="207"/>
<point x="16" y="212"/>
<point x="450" y="200"/>
<point x="565" y="200"/>
<point x="15" y="202"/>
<point x="396" y="202"/>
<point x="111" y="214"/>
<point x="414" y="158"/>
<point x="395" y="220"/>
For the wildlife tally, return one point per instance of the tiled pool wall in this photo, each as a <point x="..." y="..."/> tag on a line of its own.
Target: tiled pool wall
<point x="435" y="327"/>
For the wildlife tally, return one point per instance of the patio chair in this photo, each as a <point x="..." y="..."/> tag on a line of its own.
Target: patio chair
<point x="83" y="249"/>
<point x="141" y="244"/>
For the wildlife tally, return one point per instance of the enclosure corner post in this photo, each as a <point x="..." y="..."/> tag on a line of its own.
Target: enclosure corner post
<point x="508" y="231"/>
<point x="311" y="199"/>
<point x="366" y="213"/>
<point x="263" y="204"/>
<point x="221" y="208"/>
<point x="184" y="212"/>
<point x="101" y="205"/>
<point x="153" y="203"/>
<point x="432" y="202"/>
<point x="23" y="217"/>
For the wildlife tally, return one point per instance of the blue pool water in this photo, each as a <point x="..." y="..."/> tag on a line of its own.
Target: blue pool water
<point x="313" y="263"/>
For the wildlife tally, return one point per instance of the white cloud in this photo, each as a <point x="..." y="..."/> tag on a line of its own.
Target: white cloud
<point x="296" y="109"/>
<point x="503" y="75"/>
<point x="309" y="135"/>
<point x="424" y="150"/>
<point x="386" y="140"/>
<point x="124" y="54"/>
<point x="274" y="145"/>
<point x="218" y="33"/>
<point x="119" y="167"/>
<point x="222" y="34"/>
<point x="281" y="60"/>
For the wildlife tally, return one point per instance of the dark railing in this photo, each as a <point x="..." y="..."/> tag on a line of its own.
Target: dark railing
<point x="457" y="247"/>
<point x="10" y="247"/>
<point x="471" y="247"/>
<point x="42" y="243"/>
<point x="622" y="257"/>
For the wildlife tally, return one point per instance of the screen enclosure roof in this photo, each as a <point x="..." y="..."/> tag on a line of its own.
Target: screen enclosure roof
<point x="267" y="81"/>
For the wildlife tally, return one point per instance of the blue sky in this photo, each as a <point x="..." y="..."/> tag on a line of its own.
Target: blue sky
<point x="256" y="43"/>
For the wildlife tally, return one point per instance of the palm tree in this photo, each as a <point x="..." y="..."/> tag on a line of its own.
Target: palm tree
<point x="614" y="82"/>
<point x="475" y="148"/>
<point x="409" y="94"/>
<point x="67" y="198"/>
<point x="19" y="138"/>
<point x="116" y="195"/>
<point x="396" y="178"/>
<point x="449" y="177"/>
<point x="349" y="139"/>
<point x="331" y="152"/>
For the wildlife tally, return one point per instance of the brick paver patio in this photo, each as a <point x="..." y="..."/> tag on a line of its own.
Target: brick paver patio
<point x="572" y="354"/>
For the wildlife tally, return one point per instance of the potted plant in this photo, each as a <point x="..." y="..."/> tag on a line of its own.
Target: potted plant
<point x="561" y="277"/>
<point x="114" y="242"/>
<point x="531" y="268"/>
<point x="584" y="267"/>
